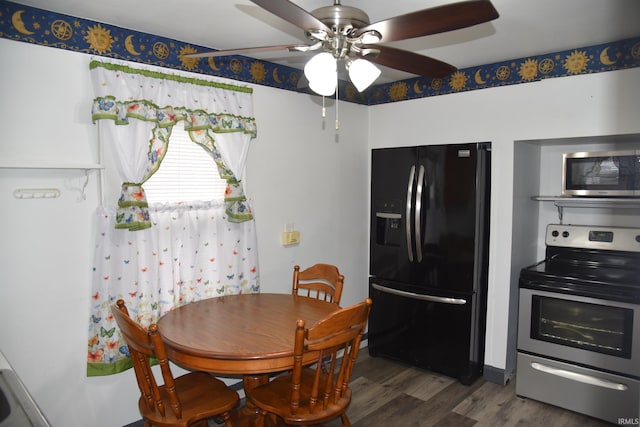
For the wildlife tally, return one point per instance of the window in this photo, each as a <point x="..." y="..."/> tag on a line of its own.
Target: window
<point x="187" y="173"/>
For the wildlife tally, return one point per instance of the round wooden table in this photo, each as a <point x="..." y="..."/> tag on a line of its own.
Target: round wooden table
<point x="250" y="335"/>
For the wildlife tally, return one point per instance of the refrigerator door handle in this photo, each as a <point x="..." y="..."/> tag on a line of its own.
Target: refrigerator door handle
<point x="412" y="175"/>
<point x="433" y="298"/>
<point x="418" y="225"/>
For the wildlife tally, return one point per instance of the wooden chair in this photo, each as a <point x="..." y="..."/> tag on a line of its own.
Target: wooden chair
<point x="312" y="395"/>
<point x="184" y="401"/>
<point x="320" y="281"/>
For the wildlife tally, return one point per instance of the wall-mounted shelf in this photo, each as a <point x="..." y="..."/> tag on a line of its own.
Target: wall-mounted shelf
<point x="588" y="202"/>
<point x="25" y="165"/>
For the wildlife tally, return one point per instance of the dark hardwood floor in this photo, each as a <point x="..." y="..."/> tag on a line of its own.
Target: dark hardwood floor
<point x="391" y="394"/>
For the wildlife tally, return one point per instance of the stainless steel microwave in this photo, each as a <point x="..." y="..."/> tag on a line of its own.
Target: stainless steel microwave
<point x="601" y="174"/>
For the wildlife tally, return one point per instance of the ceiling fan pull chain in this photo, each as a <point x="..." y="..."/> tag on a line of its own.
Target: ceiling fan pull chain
<point x="324" y="108"/>
<point x="337" y="115"/>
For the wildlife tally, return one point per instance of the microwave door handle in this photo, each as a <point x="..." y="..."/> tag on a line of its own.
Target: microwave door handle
<point x="412" y="174"/>
<point x="418" y="224"/>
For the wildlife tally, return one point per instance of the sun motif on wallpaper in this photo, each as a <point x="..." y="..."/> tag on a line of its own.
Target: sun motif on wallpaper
<point x="398" y="91"/>
<point x="99" y="38"/>
<point x="528" y="69"/>
<point x="576" y="62"/>
<point x="351" y="91"/>
<point x="257" y="71"/>
<point x="293" y="79"/>
<point x="189" y="63"/>
<point x="635" y="51"/>
<point x="458" y="80"/>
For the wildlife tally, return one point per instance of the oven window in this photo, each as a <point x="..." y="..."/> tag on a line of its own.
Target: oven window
<point x="594" y="327"/>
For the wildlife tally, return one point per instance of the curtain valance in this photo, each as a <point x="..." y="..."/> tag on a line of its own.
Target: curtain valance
<point x="141" y="106"/>
<point x="170" y="89"/>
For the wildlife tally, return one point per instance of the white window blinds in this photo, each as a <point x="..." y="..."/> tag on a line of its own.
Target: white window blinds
<point x="187" y="173"/>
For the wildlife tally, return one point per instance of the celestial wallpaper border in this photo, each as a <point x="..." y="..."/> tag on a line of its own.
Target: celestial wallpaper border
<point x="45" y="28"/>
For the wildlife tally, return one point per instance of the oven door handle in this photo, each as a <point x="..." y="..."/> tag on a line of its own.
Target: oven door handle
<point x="432" y="298"/>
<point x="575" y="376"/>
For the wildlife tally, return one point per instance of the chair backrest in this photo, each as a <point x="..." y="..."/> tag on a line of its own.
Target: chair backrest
<point x="320" y="281"/>
<point x="142" y="345"/>
<point x="337" y="339"/>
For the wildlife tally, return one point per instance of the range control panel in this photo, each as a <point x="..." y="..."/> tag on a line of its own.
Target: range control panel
<point x="594" y="237"/>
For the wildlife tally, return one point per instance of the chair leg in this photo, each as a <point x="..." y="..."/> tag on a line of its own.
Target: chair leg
<point x="345" y="420"/>
<point x="227" y="419"/>
<point x="267" y="419"/>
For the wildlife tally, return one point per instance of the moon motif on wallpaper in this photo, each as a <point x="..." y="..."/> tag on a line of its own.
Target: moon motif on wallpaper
<point x="212" y="64"/>
<point x="128" y="44"/>
<point x="18" y="23"/>
<point x="478" y="78"/>
<point x="416" y="87"/>
<point x="276" y="78"/>
<point x="604" y="57"/>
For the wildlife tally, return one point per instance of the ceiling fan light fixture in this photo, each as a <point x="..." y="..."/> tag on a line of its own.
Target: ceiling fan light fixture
<point x="323" y="87"/>
<point x="318" y="34"/>
<point x="322" y="73"/>
<point x="362" y="73"/>
<point x="371" y="37"/>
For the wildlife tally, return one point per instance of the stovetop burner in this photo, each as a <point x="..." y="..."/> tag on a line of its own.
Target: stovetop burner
<point x="600" y="262"/>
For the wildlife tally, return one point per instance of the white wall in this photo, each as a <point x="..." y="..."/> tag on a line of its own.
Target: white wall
<point x="298" y="171"/>
<point x="595" y="104"/>
<point x="301" y="171"/>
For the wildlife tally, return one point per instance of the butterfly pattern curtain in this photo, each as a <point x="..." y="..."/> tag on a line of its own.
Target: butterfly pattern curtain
<point x="140" y="108"/>
<point x="157" y="257"/>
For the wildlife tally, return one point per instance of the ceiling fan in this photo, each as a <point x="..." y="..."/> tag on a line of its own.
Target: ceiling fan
<point x="344" y="33"/>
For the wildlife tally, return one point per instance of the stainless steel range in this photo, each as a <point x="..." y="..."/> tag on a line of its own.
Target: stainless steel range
<point x="579" y="323"/>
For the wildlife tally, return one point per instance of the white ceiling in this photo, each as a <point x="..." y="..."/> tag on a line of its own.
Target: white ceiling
<point x="524" y="28"/>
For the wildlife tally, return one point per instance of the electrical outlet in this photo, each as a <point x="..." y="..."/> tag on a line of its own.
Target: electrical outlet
<point x="290" y="238"/>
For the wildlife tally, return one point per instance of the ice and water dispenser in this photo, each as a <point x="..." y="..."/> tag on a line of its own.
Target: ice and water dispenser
<point x="388" y="228"/>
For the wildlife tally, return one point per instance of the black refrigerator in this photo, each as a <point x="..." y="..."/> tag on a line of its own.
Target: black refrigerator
<point x="429" y="256"/>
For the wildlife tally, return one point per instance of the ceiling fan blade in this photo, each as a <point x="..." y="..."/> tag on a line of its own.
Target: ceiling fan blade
<point x="434" y="20"/>
<point x="409" y="61"/>
<point x="294" y="14"/>
<point x="246" y="50"/>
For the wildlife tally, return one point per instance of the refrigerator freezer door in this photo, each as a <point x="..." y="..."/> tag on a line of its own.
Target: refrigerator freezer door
<point x="428" y="331"/>
<point x="392" y="187"/>
<point x="432" y="189"/>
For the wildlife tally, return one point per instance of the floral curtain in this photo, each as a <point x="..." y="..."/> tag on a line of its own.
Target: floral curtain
<point x="142" y="106"/>
<point x="160" y="256"/>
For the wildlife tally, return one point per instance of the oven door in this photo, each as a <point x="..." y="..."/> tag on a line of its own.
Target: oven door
<point x="587" y="331"/>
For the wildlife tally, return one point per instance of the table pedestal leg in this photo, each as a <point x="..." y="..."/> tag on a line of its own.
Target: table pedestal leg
<point x="247" y="415"/>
